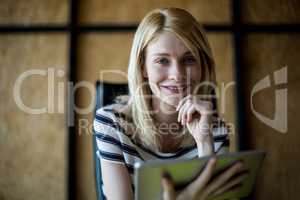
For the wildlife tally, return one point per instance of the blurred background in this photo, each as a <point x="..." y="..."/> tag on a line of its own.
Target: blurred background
<point x="48" y="47"/>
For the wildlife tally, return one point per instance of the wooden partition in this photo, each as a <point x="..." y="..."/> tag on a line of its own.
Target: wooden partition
<point x="263" y="55"/>
<point x="33" y="146"/>
<point x="34" y="12"/>
<point x="132" y="11"/>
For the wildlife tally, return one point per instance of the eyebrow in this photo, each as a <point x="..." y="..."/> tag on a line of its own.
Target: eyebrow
<point x="166" y="54"/>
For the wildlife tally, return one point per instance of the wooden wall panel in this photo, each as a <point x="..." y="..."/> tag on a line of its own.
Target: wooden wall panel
<point x="104" y="51"/>
<point x="271" y="11"/>
<point x="223" y="53"/>
<point x="34" y="11"/>
<point x="263" y="55"/>
<point x="32" y="146"/>
<point x="132" y="11"/>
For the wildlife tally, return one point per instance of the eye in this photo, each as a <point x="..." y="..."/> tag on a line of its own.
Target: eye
<point x="163" y="61"/>
<point x="189" y="60"/>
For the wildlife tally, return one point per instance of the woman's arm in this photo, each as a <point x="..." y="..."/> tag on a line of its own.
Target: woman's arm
<point x="205" y="146"/>
<point x="115" y="176"/>
<point x="196" y="114"/>
<point x="116" y="181"/>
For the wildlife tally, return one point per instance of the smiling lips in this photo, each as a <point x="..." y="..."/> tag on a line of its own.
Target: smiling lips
<point x="175" y="88"/>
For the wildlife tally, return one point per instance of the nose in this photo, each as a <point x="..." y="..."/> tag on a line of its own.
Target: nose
<point x="177" y="72"/>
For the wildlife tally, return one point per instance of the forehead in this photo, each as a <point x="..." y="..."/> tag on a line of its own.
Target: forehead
<point x="167" y="43"/>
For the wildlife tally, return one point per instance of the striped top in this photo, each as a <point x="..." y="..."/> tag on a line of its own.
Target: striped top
<point x="115" y="145"/>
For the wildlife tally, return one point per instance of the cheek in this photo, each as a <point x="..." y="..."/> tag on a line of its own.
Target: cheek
<point x="155" y="76"/>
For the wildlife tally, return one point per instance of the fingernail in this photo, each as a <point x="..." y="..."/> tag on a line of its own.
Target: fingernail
<point x="213" y="159"/>
<point x="166" y="175"/>
<point x="239" y="165"/>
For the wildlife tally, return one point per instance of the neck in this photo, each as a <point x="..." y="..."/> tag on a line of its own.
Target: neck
<point x="165" y="119"/>
<point x="164" y="113"/>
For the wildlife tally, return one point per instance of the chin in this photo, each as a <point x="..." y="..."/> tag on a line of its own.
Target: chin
<point x="172" y="101"/>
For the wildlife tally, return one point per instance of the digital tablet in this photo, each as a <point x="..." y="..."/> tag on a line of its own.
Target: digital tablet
<point x="148" y="175"/>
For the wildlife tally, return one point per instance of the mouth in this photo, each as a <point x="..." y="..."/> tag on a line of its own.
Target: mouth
<point x="176" y="89"/>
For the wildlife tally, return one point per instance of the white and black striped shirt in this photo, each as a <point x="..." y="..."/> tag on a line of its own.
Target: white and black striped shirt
<point x="114" y="145"/>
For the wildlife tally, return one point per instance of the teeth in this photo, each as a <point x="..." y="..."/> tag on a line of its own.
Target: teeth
<point x="176" y="89"/>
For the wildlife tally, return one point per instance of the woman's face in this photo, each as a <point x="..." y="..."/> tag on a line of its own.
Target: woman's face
<point x="171" y="69"/>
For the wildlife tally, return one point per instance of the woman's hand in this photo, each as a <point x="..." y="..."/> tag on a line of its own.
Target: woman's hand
<point x="205" y="186"/>
<point x="196" y="115"/>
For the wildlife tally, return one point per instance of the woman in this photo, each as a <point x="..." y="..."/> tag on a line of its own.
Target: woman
<point x="169" y="114"/>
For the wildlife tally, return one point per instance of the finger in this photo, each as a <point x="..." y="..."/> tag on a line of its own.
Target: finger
<point x="184" y="109"/>
<point x="231" y="184"/>
<point x="199" y="184"/>
<point x="224" y="177"/>
<point x="181" y="111"/>
<point x="205" y="107"/>
<point x="182" y="101"/>
<point x="168" y="189"/>
<point x="189" y="113"/>
<point x="233" y="188"/>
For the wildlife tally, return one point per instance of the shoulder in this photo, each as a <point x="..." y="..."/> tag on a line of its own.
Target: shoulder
<point x="106" y="114"/>
<point x="105" y="117"/>
<point x="120" y="109"/>
<point x="114" y="118"/>
<point x="114" y="143"/>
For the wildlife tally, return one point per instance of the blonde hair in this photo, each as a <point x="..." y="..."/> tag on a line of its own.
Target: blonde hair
<point x="185" y="27"/>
